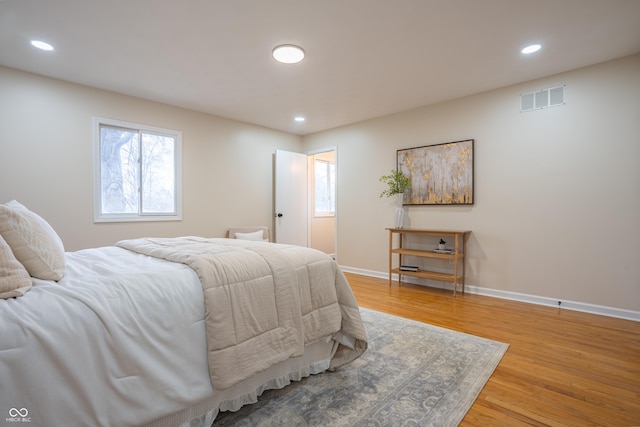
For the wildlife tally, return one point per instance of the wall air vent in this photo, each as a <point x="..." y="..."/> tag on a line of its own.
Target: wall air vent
<point x="544" y="98"/>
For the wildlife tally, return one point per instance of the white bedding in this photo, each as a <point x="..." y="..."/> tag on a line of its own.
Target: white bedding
<point x="141" y="349"/>
<point x="102" y="347"/>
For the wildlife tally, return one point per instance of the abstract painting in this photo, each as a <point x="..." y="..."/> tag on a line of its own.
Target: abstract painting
<point x="441" y="174"/>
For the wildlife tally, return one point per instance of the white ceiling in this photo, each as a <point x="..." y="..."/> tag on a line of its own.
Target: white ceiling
<point x="365" y="58"/>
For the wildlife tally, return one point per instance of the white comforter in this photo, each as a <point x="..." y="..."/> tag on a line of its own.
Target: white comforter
<point x="97" y="347"/>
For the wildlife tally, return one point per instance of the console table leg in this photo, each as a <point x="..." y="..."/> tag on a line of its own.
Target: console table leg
<point x="390" y="255"/>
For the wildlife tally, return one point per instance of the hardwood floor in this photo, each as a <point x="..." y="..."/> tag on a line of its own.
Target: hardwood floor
<point x="562" y="368"/>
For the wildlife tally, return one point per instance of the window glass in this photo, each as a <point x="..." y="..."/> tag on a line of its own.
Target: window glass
<point x="158" y="172"/>
<point x="325" y="191"/>
<point x="119" y="170"/>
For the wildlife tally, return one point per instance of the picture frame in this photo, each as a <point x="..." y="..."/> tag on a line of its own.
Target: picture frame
<point x="441" y="174"/>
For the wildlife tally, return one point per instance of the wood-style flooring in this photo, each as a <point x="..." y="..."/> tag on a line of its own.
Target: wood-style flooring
<point x="562" y="368"/>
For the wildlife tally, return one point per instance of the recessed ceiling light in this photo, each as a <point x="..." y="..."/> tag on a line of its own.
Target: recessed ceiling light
<point x="41" y="45"/>
<point x="288" y="54"/>
<point x="531" y="49"/>
<point x="299" y="119"/>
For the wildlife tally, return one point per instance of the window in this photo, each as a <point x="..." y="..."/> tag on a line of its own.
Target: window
<point x="325" y="187"/>
<point x="136" y="172"/>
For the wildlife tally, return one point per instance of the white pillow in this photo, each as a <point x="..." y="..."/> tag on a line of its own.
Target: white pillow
<point x="32" y="240"/>
<point x="256" y="236"/>
<point x="14" y="279"/>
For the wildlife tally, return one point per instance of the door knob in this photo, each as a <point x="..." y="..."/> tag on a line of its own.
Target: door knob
<point x="279" y="215"/>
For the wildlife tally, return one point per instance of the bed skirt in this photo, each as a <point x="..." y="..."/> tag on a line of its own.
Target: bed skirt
<point x="316" y="359"/>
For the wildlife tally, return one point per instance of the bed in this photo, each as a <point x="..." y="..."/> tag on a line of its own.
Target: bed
<point x="161" y="332"/>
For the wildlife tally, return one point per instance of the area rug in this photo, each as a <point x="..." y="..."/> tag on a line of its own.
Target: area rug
<point x="412" y="374"/>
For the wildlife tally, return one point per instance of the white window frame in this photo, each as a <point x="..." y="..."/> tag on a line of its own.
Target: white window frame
<point x="98" y="215"/>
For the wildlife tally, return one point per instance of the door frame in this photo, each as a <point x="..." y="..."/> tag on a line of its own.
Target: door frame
<point x="310" y="196"/>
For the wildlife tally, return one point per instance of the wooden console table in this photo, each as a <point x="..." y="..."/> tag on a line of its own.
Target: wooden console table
<point x="457" y="256"/>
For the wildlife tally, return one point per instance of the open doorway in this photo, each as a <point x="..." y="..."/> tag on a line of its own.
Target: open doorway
<point x="322" y="167"/>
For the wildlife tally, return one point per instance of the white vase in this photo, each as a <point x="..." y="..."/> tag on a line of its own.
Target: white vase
<point x="399" y="210"/>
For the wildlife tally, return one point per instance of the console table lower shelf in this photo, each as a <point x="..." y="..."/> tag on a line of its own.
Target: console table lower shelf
<point x="457" y="256"/>
<point x="423" y="274"/>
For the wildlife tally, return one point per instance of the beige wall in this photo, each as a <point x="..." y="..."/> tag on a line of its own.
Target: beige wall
<point x="46" y="160"/>
<point x="557" y="191"/>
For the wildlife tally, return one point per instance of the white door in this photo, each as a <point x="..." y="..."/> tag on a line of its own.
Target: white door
<point x="291" y="222"/>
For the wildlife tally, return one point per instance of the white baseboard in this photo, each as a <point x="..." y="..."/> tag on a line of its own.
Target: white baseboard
<point x="514" y="296"/>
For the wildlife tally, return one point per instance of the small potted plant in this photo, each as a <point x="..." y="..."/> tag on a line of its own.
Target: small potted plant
<point x="441" y="245"/>
<point x="397" y="183"/>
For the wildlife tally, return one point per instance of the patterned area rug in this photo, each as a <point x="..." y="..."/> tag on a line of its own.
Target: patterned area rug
<point x="412" y="374"/>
